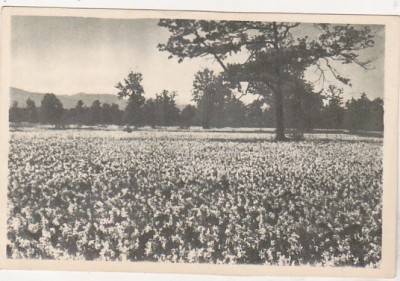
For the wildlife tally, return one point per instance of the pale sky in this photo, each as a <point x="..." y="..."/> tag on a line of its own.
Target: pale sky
<point x="68" y="55"/>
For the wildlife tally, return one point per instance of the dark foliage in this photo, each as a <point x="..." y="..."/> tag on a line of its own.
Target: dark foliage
<point x="304" y="112"/>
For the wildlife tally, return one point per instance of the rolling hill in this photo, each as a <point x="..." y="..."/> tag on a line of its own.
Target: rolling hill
<point x="20" y="96"/>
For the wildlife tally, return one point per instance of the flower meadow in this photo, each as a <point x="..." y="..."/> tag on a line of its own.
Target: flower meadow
<point x="203" y="197"/>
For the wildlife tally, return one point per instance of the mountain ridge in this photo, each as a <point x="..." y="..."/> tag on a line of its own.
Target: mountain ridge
<point x="69" y="101"/>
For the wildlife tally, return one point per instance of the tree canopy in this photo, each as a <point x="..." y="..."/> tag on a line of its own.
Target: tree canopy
<point x="276" y="57"/>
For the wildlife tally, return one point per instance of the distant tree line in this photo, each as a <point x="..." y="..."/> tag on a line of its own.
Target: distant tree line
<point x="216" y="106"/>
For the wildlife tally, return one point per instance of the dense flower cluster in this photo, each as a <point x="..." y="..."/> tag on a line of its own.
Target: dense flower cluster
<point x="195" y="197"/>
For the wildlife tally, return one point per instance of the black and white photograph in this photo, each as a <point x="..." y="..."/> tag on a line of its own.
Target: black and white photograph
<point x="180" y="139"/>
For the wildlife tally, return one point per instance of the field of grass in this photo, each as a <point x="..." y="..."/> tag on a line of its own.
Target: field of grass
<point x="195" y="196"/>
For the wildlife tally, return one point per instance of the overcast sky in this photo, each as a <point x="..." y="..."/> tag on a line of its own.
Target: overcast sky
<point x="68" y="55"/>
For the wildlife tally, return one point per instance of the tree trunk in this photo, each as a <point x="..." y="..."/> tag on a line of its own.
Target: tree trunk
<point x="206" y="120"/>
<point x="280" y="123"/>
<point x="207" y="112"/>
<point x="279" y="118"/>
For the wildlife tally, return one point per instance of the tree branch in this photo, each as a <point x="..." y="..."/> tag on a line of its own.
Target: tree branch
<point x="210" y="50"/>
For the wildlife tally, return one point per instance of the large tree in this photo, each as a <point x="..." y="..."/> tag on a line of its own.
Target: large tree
<point x="275" y="57"/>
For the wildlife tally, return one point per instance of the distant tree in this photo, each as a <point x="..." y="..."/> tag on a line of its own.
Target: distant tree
<point x="234" y="112"/>
<point x="263" y="107"/>
<point x="166" y="110"/>
<point x="115" y="114"/>
<point x="357" y="111"/>
<point x="133" y="91"/>
<point x="51" y="110"/>
<point x="209" y="92"/>
<point x="363" y="114"/>
<point x="15" y="113"/>
<point x="377" y="112"/>
<point x="96" y="113"/>
<point x="187" y="115"/>
<point x="150" y="113"/>
<point x="79" y="105"/>
<point x="254" y="114"/>
<point x="333" y="112"/>
<point x="69" y="116"/>
<point x="32" y="114"/>
<point x="105" y="113"/>
<point x="81" y="113"/>
<point x="303" y="107"/>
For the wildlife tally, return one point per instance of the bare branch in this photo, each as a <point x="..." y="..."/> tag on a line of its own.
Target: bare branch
<point x="245" y="92"/>
<point x="321" y="75"/>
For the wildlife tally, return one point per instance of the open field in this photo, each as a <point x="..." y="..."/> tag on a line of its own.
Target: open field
<point x="318" y="133"/>
<point x="184" y="196"/>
